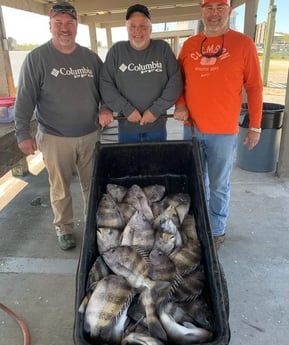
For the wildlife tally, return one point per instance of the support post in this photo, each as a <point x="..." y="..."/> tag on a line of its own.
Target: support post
<point x="109" y="37"/>
<point x="283" y="161"/>
<point x="7" y="88"/>
<point x="269" y="37"/>
<point x="251" y="18"/>
<point x="93" y="38"/>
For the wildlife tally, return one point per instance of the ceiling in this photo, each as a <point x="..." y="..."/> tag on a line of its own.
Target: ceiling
<point x="111" y="13"/>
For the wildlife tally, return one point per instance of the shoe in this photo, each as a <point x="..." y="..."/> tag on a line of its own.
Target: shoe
<point x="66" y="241"/>
<point x="218" y="240"/>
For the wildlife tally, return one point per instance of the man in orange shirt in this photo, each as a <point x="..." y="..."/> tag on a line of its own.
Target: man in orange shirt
<point x="216" y="65"/>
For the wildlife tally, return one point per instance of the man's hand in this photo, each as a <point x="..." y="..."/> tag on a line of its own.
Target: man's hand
<point x="147" y="117"/>
<point x="135" y="116"/>
<point x="251" y="139"/>
<point x="181" y="113"/>
<point x="28" y="146"/>
<point x="105" y="117"/>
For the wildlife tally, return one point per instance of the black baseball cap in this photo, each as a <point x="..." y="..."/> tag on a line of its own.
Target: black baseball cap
<point x="137" y="8"/>
<point x="63" y="7"/>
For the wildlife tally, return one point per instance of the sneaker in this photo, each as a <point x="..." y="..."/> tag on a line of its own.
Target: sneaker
<point x="66" y="241"/>
<point x="218" y="240"/>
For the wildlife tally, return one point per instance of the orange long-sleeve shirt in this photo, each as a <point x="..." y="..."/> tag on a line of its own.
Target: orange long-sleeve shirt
<point x="213" y="85"/>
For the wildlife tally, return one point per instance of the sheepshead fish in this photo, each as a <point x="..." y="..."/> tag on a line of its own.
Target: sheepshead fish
<point x="186" y="333"/>
<point x="188" y="256"/>
<point x="189" y="286"/>
<point x="138" y="232"/>
<point x="127" y="210"/>
<point x="108" y="214"/>
<point x="165" y="242"/>
<point x="130" y="263"/>
<point x="199" y="313"/>
<point x="154" y="192"/>
<point x="136" y="313"/>
<point x="167" y="221"/>
<point x="135" y="338"/>
<point x="181" y="202"/>
<point x="107" y="238"/>
<point x="117" y="192"/>
<point x="167" y="225"/>
<point x="188" y="227"/>
<point x="98" y="270"/>
<point x="176" y="199"/>
<point x="161" y="267"/>
<point x="111" y="296"/>
<point x="137" y="198"/>
<point x="156" y="329"/>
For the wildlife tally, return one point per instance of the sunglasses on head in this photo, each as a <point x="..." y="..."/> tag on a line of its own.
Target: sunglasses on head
<point x="63" y="9"/>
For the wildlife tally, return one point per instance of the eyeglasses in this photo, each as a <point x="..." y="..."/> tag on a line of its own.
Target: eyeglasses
<point x="63" y="9"/>
<point x="216" y="54"/>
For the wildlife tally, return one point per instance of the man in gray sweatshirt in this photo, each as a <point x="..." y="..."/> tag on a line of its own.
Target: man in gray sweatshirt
<point x="59" y="82"/>
<point x="141" y="80"/>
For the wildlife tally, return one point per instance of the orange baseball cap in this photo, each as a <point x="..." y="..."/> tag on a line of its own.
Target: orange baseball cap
<point x="226" y="2"/>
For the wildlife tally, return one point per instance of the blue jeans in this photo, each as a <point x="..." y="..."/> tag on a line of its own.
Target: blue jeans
<point x="187" y="133"/>
<point x="217" y="155"/>
<point x="124" y="137"/>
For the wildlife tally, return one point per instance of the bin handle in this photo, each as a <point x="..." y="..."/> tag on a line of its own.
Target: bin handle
<point x="162" y="116"/>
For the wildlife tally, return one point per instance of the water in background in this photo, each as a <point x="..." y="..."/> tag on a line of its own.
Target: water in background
<point x="17" y="57"/>
<point x="16" y="60"/>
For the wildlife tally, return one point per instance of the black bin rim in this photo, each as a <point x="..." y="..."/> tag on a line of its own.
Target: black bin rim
<point x="272" y="116"/>
<point x="267" y="107"/>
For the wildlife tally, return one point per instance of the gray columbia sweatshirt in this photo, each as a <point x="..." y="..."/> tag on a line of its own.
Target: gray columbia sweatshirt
<point x="62" y="89"/>
<point x="141" y="79"/>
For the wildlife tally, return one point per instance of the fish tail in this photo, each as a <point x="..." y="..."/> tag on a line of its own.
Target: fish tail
<point x="154" y="325"/>
<point x="156" y="329"/>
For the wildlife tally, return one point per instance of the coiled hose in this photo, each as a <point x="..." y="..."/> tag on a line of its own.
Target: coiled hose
<point x="20" y="322"/>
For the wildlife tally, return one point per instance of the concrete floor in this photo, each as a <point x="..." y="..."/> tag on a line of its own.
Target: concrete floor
<point x="38" y="279"/>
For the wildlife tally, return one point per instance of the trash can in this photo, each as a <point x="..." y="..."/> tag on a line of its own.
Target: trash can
<point x="7" y="109"/>
<point x="263" y="157"/>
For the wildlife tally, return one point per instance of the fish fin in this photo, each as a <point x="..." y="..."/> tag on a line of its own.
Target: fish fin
<point x="115" y="330"/>
<point x="201" y="334"/>
<point x="83" y="304"/>
<point x="176" y="283"/>
<point x="156" y="330"/>
<point x="189" y="325"/>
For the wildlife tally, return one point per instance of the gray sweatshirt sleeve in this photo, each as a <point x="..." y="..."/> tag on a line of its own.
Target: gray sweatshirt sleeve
<point x="112" y="97"/>
<point x="26" y="97"/>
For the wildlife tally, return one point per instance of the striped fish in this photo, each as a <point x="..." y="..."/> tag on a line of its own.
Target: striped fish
<point x="105" y="313"/>
<point x="186" y="333"/>
<point x="136" y="197"/>
<point x="131" y="263"/>
<point x="138" y="232"/>
<point x="108" y="214"/>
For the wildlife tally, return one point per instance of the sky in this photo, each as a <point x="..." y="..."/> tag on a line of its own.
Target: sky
<point x="34" y="29"/>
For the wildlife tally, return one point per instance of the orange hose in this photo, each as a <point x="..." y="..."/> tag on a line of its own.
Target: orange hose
<point x="20" y="322"/>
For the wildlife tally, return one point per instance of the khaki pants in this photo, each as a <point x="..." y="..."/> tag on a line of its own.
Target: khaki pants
<point x="62" y="155"/>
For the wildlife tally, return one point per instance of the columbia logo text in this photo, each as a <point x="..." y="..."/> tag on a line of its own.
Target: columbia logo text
<point x="83" y="72"/>
<point x="154" y="66"/>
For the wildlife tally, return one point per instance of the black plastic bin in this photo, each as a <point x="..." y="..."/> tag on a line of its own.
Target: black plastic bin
<point x="264" y="156"/>
<point x="176" y="165"/>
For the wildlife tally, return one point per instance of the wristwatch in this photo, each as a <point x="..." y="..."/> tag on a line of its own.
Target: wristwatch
<point x="257" y="130"/>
